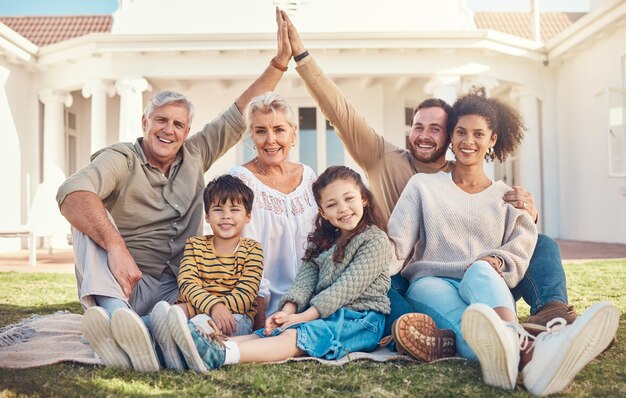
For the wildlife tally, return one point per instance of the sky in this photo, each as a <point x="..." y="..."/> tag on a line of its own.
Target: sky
<point x="69" y="7"/>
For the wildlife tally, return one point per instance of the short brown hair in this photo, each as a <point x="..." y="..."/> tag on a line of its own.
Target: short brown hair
<point x="227" y="187"/>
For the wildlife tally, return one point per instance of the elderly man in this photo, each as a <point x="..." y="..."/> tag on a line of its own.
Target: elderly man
<point x="133" y="207"/>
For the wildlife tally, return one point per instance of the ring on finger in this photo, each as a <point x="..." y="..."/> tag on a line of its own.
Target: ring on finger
<point x="523" y="205"/>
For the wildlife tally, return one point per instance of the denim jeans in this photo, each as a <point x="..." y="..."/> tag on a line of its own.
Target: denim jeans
<point x="544" y="282"/>
<point x="343" y="332"/>
<point x="445" y="299"/>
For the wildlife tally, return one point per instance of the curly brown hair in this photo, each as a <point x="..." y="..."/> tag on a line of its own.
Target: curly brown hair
<point x="325" y="234"/>
<point x="501" y="118"/>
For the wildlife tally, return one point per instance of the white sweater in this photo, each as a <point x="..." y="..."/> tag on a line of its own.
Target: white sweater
<point x="446" y="229"/>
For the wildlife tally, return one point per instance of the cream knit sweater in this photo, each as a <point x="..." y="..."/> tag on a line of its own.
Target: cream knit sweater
<point x="446" y="230"/>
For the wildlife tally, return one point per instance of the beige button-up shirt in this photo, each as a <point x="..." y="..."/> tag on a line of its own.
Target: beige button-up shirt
<point x="155" y="213"/>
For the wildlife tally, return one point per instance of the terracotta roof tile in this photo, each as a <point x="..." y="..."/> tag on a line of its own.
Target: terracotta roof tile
<point x="519" y="24"/>
<point x="52" y="29"/>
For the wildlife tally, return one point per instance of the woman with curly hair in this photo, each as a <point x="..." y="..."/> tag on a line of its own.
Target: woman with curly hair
<point x="463" y="249"/>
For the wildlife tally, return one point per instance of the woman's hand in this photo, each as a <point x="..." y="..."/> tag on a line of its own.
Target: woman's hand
<point x="283" y="52"/>
<point x="297" y="47"/>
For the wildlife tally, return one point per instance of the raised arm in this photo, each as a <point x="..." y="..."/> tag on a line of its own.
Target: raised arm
<point x="362" y="142"/>
<point x="274" y="71"/>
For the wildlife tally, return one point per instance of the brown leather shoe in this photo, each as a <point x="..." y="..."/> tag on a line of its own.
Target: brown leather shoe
<point x="554" y="309"/>
<point x="418" y="335"/>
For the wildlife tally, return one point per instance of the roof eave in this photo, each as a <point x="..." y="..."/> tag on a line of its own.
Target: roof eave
<point x="586" y="27"/>
<point x="101" y="43"/>
<point x="15" y="47"/>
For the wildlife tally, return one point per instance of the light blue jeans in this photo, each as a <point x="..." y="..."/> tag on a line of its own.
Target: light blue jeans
<point x="445" y="299"/>
<point x="343" y="332"/>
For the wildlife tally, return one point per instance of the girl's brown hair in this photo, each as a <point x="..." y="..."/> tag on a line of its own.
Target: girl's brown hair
<point x="326" y="234"/>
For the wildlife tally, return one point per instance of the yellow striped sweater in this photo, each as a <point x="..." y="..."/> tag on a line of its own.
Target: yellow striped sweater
<point x="206" y="278"/>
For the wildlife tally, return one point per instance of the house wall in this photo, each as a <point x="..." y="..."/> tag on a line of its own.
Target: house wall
<point x="18" y="169"/>
<point x="593" y="205"/>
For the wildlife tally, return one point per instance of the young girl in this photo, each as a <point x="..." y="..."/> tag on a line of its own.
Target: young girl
<point x="466" y="248"/>
<point x="338" y="301"/>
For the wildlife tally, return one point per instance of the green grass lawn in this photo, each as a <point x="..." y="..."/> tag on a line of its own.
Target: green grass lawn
<point x="22" y="295"/>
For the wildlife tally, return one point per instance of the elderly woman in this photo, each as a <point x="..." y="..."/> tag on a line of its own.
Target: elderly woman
<point x="284" y="207"/>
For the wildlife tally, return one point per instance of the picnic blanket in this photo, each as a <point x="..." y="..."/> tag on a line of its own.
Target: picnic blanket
<point x="49" y="339"/>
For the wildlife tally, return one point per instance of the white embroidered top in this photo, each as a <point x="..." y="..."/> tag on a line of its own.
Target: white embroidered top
<point x="281" y="222"/>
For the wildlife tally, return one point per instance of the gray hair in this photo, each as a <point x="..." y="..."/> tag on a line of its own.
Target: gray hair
<point x="269" y="102"/>
<point x="163" y="98"/>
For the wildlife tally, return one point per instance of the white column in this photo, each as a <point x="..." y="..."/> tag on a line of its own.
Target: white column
<point x="445" y="87"/>
<point x="10" y="168"/>
<point x="489" y="83"/>
<point x="131" y="107"/>
<point x="530" y="170"/>
<point x="45" y="217"/>
<point x="54" y="132"/>
<point x="98" y="90"/>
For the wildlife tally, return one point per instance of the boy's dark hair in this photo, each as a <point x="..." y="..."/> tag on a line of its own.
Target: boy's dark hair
<point x="227" y="187"/>
<point x="326" y="234"/>
<point x="433" y="103"/>
<point x="501" y="118"/>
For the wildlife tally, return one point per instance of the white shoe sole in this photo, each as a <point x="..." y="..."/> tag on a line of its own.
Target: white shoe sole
<point x="479" y="327"/>
<point x="132" y="335"/>
<point x="96" y="326"/>
<point x="177" y="324"/>
<point x="162" y="335"/>
<point x="594" y="331"/>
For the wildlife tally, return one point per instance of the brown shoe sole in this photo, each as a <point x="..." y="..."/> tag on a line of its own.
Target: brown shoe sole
<point x="418" y="335"/>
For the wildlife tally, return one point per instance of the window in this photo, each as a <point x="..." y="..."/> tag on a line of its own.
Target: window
<point x="308" y="136"/>
<point x="616" y="99"/>
<point x="408" y="124"/>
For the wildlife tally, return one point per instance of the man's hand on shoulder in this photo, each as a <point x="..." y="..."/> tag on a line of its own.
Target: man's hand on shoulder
<point x="124" y="268"/>
<point x="522" y="200"/>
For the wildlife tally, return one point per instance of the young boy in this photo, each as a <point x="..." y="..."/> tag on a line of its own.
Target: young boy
<point x="219" y="274"/>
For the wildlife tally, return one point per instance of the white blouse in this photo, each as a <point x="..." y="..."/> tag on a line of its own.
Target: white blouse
<point x="282" y="223"/>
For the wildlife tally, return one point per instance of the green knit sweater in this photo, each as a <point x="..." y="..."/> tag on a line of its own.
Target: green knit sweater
<point x="359" y="282"/>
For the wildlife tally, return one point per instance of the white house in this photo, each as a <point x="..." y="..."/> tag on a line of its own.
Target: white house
<point x="60" y="102"/>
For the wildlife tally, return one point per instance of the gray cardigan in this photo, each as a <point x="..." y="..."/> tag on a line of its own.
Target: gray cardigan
<point x="359" y="282"/>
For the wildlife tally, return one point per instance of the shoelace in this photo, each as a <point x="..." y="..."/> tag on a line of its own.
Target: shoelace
<point x="215" y="336"/>
<point x="523" y="335"/>
<point x="553" y="328"/>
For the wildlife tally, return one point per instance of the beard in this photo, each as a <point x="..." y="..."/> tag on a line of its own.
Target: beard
<point x="428" y="157"/>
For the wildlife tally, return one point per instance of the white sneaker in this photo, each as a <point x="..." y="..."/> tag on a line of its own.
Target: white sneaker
<point x="132" y="335"/>
<point x="495" y="343"/>
<point x="177" y="324"/>
<point x="96" y="326"/>
<point x="163" y="337"/>
<point x="561" y="352"/>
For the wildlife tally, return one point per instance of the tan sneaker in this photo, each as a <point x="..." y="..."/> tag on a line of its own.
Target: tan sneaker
<point x="418" y="335"/>
<point x="554" y="309"/>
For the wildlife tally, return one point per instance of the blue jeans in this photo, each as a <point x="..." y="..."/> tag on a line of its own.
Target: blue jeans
<point x="543" y="283"/>
<point x="445" y="299"/>
<point x="343" y="332"/>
